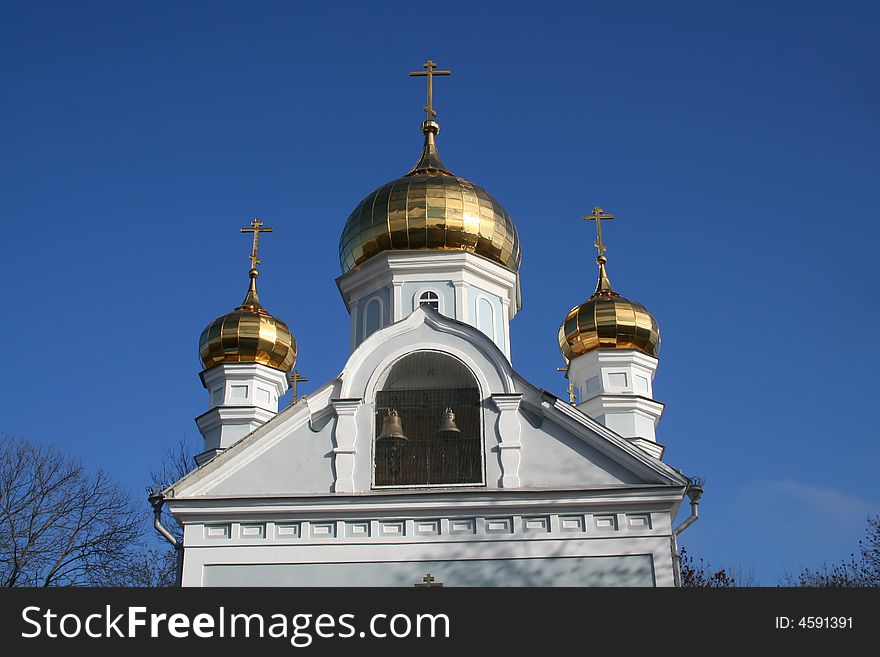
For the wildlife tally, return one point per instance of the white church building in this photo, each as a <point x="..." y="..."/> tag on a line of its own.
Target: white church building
<point x="429" y="460"/>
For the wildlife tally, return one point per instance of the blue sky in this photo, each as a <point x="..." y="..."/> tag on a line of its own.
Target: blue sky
<point x="736" y="143"/>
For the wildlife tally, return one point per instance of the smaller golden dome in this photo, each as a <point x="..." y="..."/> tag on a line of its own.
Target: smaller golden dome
<point x="608" y="321"/>
<point x="249" y="334"/>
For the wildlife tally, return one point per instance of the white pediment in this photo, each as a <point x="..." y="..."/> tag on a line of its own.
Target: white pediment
<point x="324" y="443"/>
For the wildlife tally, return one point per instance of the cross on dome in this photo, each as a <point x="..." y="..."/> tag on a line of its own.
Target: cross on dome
<point x="429" y="73"/>
<point x="256" y="229"/>
<point x="597" y="215"/>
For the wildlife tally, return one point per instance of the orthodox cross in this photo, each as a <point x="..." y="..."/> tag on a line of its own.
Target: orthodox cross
<point x="294" y="379"/>
<point x="571" y="395"/>
<point x="256" y="229"/>
<point x="428" y="582"/>
<point x="597" y="215"/>
<point x="429" y="73"/>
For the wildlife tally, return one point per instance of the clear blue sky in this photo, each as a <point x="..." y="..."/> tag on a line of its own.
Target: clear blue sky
<point x="736" y="142"/>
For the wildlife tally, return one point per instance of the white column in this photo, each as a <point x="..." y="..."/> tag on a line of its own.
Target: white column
<point x="344" y="439"/>
<point x="461" y="301"/>
<point x="352" y="310"/>
<point x="396" y="301"/>
<point x="505" y="319"/>
<point x="508" y="429"/>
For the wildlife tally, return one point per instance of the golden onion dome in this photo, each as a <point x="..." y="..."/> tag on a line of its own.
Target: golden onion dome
<point x="249" y="334"/>
<point x="608" y="321"/>
<point x="429" y="209"/>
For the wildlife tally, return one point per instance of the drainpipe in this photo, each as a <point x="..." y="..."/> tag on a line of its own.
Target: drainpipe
<point x="156" y="501"/>
<point x="694" y="491"/>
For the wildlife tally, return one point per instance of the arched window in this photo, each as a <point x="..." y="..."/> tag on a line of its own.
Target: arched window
<point x="372" y="317"/>
<point x="486" y="317"/>
<point x="428" y="428"/>
<point x="430" y="298"/>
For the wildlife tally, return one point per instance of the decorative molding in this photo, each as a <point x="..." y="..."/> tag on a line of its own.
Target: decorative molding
<point x="452" y="265"/>
<point x="206" y="456"/>
<point x="356" y="384"/>
<point x="224" y="415"/>
<point x="653" y="448"/>
<point x="437" y="529"/>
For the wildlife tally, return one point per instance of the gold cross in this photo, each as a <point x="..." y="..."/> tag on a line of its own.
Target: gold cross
<point x="571" y="395"/>
<point x="257" y="228"/>
<point x="430" y="73"/>
<point x="428" y="582"/>
<point x="597" y="215"/>
<point x="294" y="379"/>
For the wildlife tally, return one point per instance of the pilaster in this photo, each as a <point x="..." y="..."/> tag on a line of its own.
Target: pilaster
<point x="344" y="440"/>
<point x="508" y="430"/>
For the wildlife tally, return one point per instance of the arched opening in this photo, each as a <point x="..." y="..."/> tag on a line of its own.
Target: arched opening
<point x="486" y="317"/>
<point x="372" y="317"/>
<point x="428" y="429"/>
<point x="430" y="298"/>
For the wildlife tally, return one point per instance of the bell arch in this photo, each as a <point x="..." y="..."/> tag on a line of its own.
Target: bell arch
<point x="428" y="425"/>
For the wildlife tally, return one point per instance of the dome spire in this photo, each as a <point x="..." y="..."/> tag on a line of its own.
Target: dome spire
<point x="606" y="320"/>
<point x="252" y="299"/>
<point x="429" y="161"/>
<point x="249" y="334"/>
<point x="603" y="287"/>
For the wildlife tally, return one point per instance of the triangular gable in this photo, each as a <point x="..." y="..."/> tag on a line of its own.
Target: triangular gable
<point x="293" y="454"/>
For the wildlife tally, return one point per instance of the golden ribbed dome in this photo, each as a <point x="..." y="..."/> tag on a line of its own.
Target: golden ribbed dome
<point x="431" y="209"/>
<point x="608" y="321"/>
<point x="249" y="334"/>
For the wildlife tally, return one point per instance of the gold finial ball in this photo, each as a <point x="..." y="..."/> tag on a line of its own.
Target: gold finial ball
<point x="608" y="322"/>
<point x="249" y="334"/>
<point x="429" y="211"/>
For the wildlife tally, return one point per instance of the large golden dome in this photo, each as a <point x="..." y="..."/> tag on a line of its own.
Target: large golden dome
<point x="249" y="334"/>
<point x="608" y="321"/>
<point x="431" y="209"/>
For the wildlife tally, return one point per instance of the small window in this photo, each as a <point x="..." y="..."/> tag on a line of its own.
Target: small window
<point x="428" y="428"/>
<point x="430" y="298"/>
<point x="486" y="317"/>
<point x="372" y="318"/>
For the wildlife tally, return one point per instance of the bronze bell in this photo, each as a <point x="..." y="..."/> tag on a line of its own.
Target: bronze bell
<point x="391" y="427"/>
<point x="448" y="426"/>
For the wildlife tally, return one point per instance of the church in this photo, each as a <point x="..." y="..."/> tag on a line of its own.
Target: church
<point x="429" y="461"/>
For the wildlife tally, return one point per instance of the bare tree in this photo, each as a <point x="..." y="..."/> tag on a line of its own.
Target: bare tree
<point x="862" y="570"/>
<point x="697" y="573"/>
<point x="59" y="525"/>
<point x="146" y="568"/>
<point x="159" y="566"/>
